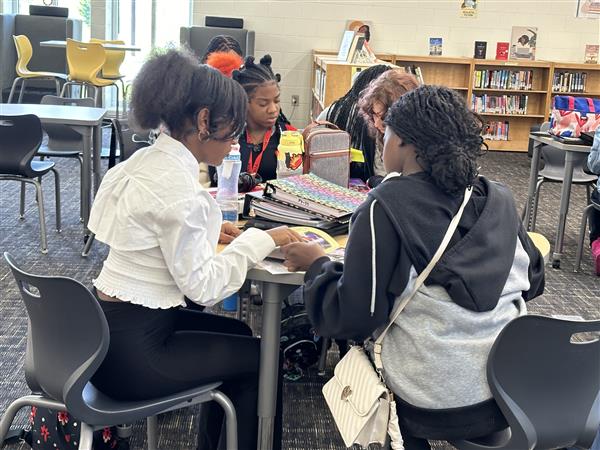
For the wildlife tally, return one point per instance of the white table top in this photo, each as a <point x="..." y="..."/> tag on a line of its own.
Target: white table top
<point x="549" y="140"/>
<point x="65" y="114"/>
<point x="63" y="44"/>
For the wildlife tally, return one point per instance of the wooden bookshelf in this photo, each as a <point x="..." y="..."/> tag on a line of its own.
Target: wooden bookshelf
<point x="459" y="74"/>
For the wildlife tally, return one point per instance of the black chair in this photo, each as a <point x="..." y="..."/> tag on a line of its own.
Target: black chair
<point x="62" y="312"/>
<point x="20" y="138"/>
<point x="546" y="383"/>
<point x="587" y="211"/>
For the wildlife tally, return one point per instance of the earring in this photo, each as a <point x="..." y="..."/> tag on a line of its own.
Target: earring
<point x="202" y="135"/>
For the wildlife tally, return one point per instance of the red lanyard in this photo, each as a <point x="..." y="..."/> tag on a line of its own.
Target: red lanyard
<point x="254" y="165"/>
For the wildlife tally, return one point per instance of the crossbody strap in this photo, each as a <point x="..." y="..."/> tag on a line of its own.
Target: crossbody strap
<point x="421" y="278"/>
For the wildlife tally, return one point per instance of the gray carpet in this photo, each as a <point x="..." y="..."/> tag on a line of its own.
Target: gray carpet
<point x="307" y="423"/>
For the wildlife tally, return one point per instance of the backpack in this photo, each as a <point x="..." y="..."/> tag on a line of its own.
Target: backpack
<point x="327" y="152"/>
<point x="300" y="346"/>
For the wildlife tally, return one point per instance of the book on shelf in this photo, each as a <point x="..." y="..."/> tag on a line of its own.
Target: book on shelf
<point x="502" y="50"/>
<point x="500" y="104"/>
<point x="356" y="48"/>
<point x="523" y="43"/>
<point x="345" y="45"/>
<point x="435" y="46"/>
<point x="503" y="79"/>
<point x="310" y="234"/>
<point x="567" y="81"/>
<point x="480" y="49"/>
<point x="591" y="54"/>
<point x="496" y="131"/>
<point x="416" y="71"/>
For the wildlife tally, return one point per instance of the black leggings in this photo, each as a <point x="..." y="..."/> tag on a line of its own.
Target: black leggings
<point x="595" y="218"/>
<point x="157" y="352"/>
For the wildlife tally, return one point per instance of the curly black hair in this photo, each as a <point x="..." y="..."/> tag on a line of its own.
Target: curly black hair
<point x="222" y="43"/>
<point x="251" y="76"/>
<point x="172" y="87"/>
<point x="446" y="134"/>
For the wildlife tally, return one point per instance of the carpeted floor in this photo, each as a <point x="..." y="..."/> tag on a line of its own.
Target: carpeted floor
<point x="307" y="423"/>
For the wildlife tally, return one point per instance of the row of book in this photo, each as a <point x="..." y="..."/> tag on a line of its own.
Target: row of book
<point x="569" y="82"/>
<point x="416" y="71"/>
<point x="500" y="104"/>
<point x="320" y="83"/>
<point x="503" y="79"/>
<point x="496" y="131"/>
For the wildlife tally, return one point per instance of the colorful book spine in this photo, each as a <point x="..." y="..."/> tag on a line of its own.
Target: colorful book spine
<point x="521" y="80"/>
<point x="496" y="131"/>
<point x="569" y="82"/>
<point x="500" y="104"/>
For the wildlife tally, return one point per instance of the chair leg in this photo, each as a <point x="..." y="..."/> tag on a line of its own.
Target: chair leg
<point x="124" y="97"/>
<point x="80" y="159"/>
<point x="22" y="91"/>
<point x="64" y="89"/>
<point x="40" y="199"/>
<point x="581" y="239"/>
<point x="28" y="400"/>
<point x="535" y="204"/>
<point x="230" y="418"/>
<point x="117" y="110"/>
<point x="22" y="202"/>
<point x="323" y="356"/>
<point x="88" y="245"/>
<point x="588" y="192"/>
<point x="152" y="432"/>
<point x="86" y="436"/>
<point x="57" y="199"/>
<point x="13" y="89"/>
<point x="57" y="83"/>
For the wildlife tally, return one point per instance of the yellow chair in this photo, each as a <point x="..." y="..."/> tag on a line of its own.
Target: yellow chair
<point x="24" y="54"/>
<point x="85" y="60"/>
<point x="112" y="66"/>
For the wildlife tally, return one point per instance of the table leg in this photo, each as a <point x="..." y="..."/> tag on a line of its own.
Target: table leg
<point x="97" y="151"/>
<point x="533" y="175"/>
<point x="273" y="294"/>
<point x="564" y="209"/>
<point x="86" y="175"/>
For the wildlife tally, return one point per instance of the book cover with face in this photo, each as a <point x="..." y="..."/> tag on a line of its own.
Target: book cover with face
<point x="523" y="43"/>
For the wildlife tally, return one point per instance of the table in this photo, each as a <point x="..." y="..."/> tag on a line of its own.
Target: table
<point x="83" y="120"/>
<point x="107" y="46"/>
<point x="565" y="194"/>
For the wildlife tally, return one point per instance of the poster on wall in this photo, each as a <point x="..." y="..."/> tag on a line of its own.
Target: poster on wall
<point x="468" y="9"/>
<point x="522" y="43"/>
<point x="588" y="9"/>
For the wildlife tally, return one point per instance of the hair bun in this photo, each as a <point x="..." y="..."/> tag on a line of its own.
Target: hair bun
<point x="249" y="61"/>
<point x="266" y="60"/>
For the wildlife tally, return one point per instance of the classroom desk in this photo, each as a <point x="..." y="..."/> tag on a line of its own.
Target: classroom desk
<point x="85" y="121"/>
<point x="107" y="46"/>
<point x="565" y="194"/>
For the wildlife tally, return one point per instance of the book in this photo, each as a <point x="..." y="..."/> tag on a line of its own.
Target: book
<point x="315" y="195"/>
<point x="356" y="47"/>
<point x="502" y="50"/>
<point x="333" y="249"/>
<point x="480" y="49"/>
<point x="435" y="46"/>
<point x="591" y="54"/>
<point x="345" y="45"/>
<point x="523" y="42"/>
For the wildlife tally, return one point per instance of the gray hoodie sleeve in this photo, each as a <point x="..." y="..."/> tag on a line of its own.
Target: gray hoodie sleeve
<point x="594" y="156"/>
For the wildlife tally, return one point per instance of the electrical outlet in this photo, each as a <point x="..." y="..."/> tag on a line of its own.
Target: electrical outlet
<point x="295" y="100"/>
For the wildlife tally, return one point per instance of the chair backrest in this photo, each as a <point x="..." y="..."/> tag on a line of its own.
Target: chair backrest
<point x="24" y="54"/>
<point x="63" y="137"/>
<point x="20" y="138"/>
<point x="114" y="58"/>
<point x="197" y="38"/>
<point x="85" y="59"/>
<point x="547" y="386"/>
<point x="68" y="332"/>
<point x="554" y="165"/>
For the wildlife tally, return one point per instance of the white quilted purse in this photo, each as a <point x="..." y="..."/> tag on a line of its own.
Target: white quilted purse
<point x="361" y="404"/>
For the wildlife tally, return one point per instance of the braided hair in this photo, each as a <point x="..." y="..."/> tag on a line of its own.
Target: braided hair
<point x="251" y="76"/>
<point x="446" y="134"/>
<point x="345" y="113"/>
<point x="222" y="43"/>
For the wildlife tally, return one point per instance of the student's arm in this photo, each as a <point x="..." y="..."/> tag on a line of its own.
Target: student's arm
<point x="189" y="250"/>
<point x="594" y="156"/>
<point x="338" y="296"/>
<point x="536" y="266"/>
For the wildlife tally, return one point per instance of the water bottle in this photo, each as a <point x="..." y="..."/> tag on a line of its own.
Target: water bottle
<point x="227" y="190"/>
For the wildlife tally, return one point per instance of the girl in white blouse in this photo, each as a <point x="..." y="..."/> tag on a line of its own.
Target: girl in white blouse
<point x="162" y="227"/>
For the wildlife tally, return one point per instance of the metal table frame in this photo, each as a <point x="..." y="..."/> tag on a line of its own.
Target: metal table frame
<point x="565" y="194"/>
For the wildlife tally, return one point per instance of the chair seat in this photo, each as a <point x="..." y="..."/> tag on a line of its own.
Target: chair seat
<point x="63" y="154"/>
<point x="100" y="82"/>
<point x="32" y="74"/>
<point x="102" y="408"/>
<point x="557" y="174"/>
<point x="113" y="77"/>
<point x="41" y="167"/>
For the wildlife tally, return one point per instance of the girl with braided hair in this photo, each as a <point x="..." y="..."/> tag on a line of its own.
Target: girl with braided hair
<point x="435" y="354"/>
<point x="265" y="120"/>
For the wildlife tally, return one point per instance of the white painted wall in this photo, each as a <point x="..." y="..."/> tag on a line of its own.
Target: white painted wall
<point x="289" y="30"/>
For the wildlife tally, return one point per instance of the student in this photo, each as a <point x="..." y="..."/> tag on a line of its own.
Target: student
<point x="594" y="166"/>
<point x="162" y="229"/>
<point x="374" y="103"/>
<point x="346" y="115"/>
<point x="265" y="121"/>
<point x="435" y="354"/>
<point x="222" y="43"/>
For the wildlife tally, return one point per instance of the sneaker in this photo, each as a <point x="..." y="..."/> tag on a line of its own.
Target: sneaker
<point x="596" y="255"/>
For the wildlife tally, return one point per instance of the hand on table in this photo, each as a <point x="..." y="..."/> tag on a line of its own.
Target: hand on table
<point x="283" y="236"/>
<point x="228" y="233"/>
<point x="300" y="255"/>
